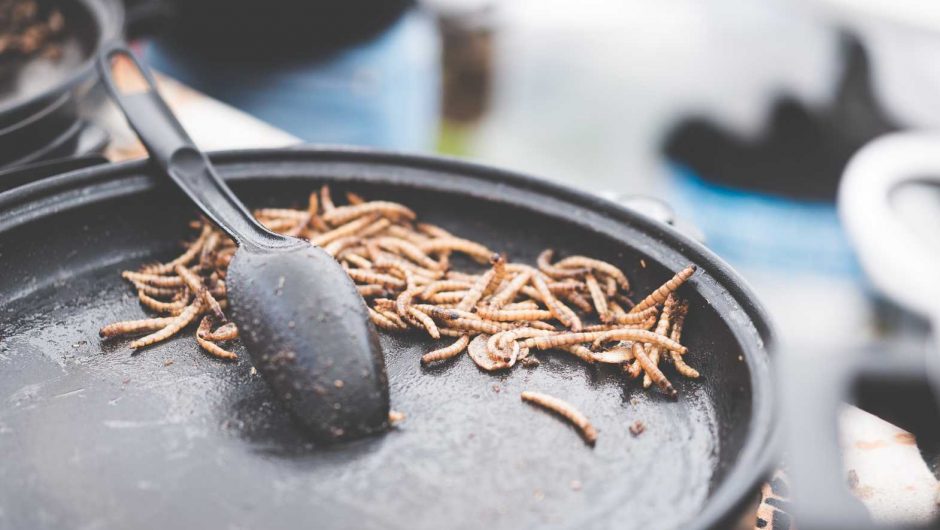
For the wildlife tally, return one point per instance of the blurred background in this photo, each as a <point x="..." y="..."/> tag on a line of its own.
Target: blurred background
<point x="739" y="115"/>
<point x="731" y="119"/>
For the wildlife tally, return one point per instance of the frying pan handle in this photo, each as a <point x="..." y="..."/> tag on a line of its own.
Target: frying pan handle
<point x="814" y="389"/>
<point x="134" y="89"/>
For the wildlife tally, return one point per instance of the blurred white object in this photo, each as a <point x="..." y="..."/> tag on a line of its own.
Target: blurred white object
<point x="585" y="91"/>
<point x="903" y="38"/>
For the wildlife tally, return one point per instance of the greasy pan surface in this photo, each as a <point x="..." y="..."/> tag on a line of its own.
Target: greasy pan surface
<point x="93" y="437"/>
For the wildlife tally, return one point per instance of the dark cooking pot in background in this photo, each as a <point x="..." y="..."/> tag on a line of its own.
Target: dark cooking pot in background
<point x="41" y="98"/>
<point x="92" y="435"/>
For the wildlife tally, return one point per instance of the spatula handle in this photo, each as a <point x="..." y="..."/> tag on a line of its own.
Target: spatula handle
<point x="135" y="91"/>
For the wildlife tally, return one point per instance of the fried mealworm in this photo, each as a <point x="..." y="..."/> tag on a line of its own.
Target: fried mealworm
<point x="637" y="335"/>
<point x="225" y="332"/>
<point x="479" y="326"/>
<point x="659" y="295"/>
<point x="444" y="285"/>
<point x="514" y="315"/>
<point x="455" y="244"/>
<point x="155" y="291"/>
<point x="635" y="318"/>
<point x="325" y="199"/>
<point x="679" y="362"/>
<point x="375" y="227"/>
<point x="618" y="355"/>
<point x="344" y="214"/>
<point x="371" y="290"/>
<point x="662" y="328"/>
<point x="406" y="233"/>
<point x="313" y="208"/>
<point x="447" y="297"/>
<point x="481" y="357"/>
<point x="581" y="352"/>
<point x="602" y="267"/>
<point x="368" y="276"/>
<point x="181" y="321"/>
<point x="382" y="321"/>
<point x="171" y="308"/>
<point x="480" y="287"/>
<point x="576" y="300"/>
<point x="358" y="261"/>
<point x="562" y="312"/>
<point x="565" y="410"/>
<point x="128" y="327"/>
<point x="544" y="262"/>
<point x="408" y="250"/>
<point x="425" y="321"/>
<point x="599" y="298"/>
<point x="639" y="352"/>
<point x="153" y="279"/>
<point x="348" y="229"/>
<point x="527" y="304"/>
<point x="199" y="289"/>
<point x="447" y="352"/>
<point x="433" y="230"/>
<point x="214" y="349"/>
<point x="509" y="293"/>
<point x="354" y="198"/>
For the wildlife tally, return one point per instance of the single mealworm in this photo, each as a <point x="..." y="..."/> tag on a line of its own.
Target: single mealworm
<point x="375" y="227"/>
<point x="325" y="199"/>
<point x="662" y="328"/>
<point x="447" y="352"/>
<point x="381" y="321"/>
<point x="348" y="229"/>
<point x="344" y="214"/>
<point x="408" y="250"/>
<point x="479" y="326"/>
<point x="639" y="352"/>
<point x="610" y="285"/>
<point x="354" y="198"/>
<point x="599" y="299"/>
<point x="617" y="355"/>
<point x="433" y="230"/>
<point x="679" y="362"/>
<point x="565" y="410"/>
<point x="575" y="262"/>
<point x="562" y="312"/>
<point x="172" y="308"/>
<point x="367" y="276"/>
<point x="134" y="326"/>
<point x="480" y="286"/>
<point x="659" y="295"/>
<point x="153" y="279"/>
<point x="214" y="349"/>
<point x="225" y="332"/>
<point x="426" y="322"/>
<point x="408" y="234"/>
<point x="358" y="261"/>
<point x="198" y="287"/>
<point x="370" y="290"/>
<point x="183" y="259"/>
<point x="509" y="293"/>
<point x="576" y="300"/>
<point x="444" y="285"/>
<point x="527" y="304"/>
<point x="180" y="322"/>
<point x="447" y="297"/>
<point x="581" y="352"/>
<point x="636" y="318"/>
<point x="333" y="248"/>
<point x="514" y="315"/>
<point x="637" y="335"/>
<point x="544" y="262"/>
<point x="156" y="291"/>
<point x="313" y="208"/>
<point x="475" y="250"/>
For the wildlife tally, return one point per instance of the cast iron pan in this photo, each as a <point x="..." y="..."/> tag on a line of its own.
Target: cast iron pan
<point x="93" y="437"/>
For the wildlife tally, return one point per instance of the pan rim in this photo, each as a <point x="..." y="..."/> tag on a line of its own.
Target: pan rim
<point x="48" y="196"/>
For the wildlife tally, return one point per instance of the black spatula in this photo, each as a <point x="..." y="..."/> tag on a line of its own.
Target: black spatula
<point x="298" y="313"/>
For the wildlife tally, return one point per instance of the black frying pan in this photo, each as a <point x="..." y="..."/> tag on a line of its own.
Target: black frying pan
<point x="94" y="437"/>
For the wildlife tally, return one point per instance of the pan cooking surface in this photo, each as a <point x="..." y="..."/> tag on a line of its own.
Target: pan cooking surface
<point x="173" y="438"/>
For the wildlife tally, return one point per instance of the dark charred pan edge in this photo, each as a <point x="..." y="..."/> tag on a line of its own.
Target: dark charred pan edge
<point x="657" y="241"/>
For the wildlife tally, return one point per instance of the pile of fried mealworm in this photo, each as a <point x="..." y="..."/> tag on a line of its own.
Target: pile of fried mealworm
<point x="402" y="268"/>
<point x="27" y="27"/>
